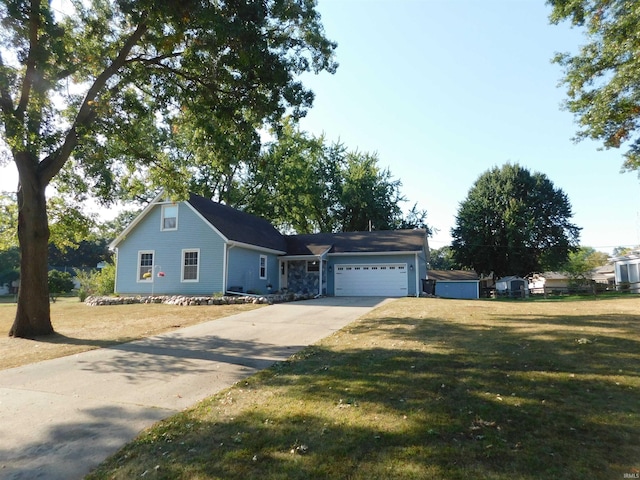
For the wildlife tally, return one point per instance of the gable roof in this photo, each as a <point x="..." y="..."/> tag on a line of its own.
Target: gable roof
<point x="452" y="275"/>
<point x="550" y="276"/>
<point x="232" y="224"/>
<point x="237" y="226"/>
<point x="250" y="230"/>
<point x="377" y="241"/>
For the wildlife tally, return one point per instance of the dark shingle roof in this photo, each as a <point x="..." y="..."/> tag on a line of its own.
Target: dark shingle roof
<point x="357" y="242"/>
<point x="451" y="275"/>
<point x="239" y="226"/>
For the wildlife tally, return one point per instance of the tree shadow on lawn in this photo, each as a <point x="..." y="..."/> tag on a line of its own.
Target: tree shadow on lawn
<point x="69" y="448"/>
<point x="449" y="400"/>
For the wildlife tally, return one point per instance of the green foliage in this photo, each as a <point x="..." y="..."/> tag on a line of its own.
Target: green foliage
<point x="9" y="275"/>
<point x="514" y="222"/>
<point x="583" y="260"/>
<point x="620" y="251"/>
<point x="8" y="221"/>
<point x="87" y="254"/>
<point x="106" y="280"/>
<point x="97" y="282"/>
<point x="295" y="183"/>
<point x="415" y="218"/>
<point x="110" y="83"/>
<point x="442" y="259"/>
<point x="59" y="283"/>
<point x="68" y="226"/>
<point x="370" y="196"/>
<point x="302" y="184"/>
<point x="603" y="78"/>
<point x="9" y="265"/>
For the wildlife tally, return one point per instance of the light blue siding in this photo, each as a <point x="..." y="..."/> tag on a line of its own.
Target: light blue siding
<point x="244" y="270"/>
<point x="453" y="289"/>
<point x="409" y="259"/>
<point x="192" y="233"/>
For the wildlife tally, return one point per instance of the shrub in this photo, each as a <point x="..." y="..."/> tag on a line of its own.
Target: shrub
<point x="59" y="282"/>
<point x="97" y="282"/>
<point x="106" y="280"/>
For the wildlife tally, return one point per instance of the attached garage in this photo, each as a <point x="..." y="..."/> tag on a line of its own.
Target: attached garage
<point x="371" y="280"/>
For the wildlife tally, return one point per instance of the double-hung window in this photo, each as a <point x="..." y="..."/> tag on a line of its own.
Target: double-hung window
<point x="190" y="265"/>
<point x="169" y="217"/>
<point x="145" y="265"/>
<point x="263" y="267"/>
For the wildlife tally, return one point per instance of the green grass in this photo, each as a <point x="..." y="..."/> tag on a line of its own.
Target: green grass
<point x="424" y="389"/>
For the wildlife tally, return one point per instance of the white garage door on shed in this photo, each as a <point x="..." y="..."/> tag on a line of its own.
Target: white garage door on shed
<point x="371" y="280"/>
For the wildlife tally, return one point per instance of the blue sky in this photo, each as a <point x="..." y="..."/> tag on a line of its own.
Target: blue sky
<point x="445" y="90"/>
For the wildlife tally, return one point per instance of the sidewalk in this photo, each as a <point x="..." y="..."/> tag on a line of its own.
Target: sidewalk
<point x="60" y="418"/>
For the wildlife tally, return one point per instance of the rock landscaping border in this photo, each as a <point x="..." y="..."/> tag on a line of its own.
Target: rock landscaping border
<point x="185" y="300"/>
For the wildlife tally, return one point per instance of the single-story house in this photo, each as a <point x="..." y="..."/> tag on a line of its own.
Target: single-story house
<point x="512" y="286"/>
<point x="453" y="283"/>
<point x="201" y="247"/>
<point x="627" y="271"/>
<point x="549" y="282"/>
<point x="604" y="276"/>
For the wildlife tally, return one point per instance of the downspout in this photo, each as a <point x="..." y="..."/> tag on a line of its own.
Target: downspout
<point x="320" y="269"/>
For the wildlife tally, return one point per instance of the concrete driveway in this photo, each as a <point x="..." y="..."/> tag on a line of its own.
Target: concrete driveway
<point x="60" y="418"/>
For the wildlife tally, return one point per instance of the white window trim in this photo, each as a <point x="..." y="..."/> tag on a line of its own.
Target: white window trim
<point x="162" y="217"/>
<point x="153" y="264"/>
<point x="266" y="263"/>
<point x="190" y="280"/>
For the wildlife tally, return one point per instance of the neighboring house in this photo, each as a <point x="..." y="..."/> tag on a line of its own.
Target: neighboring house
<point x="549" y="282"/>
<point x="453" y="283"/>
<point x="200" y="247"/>
<point x="512" y="286"/>
<point x="604" y="276"/>
<point x="627" y="272"/>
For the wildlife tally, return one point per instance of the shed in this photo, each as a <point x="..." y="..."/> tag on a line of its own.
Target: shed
<point x="454" y="283"/>
<point x="512" y="286"/>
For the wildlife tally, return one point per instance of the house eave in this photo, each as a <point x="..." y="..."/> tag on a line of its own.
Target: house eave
<point x="248" y="246"/>
<point x="301" y="257"/>
<point x="364" y="254"/>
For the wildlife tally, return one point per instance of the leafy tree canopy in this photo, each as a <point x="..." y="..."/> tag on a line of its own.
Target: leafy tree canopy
<point x="442" y="259"/>
<point x="583" y="260"/>
<point x="603" y="78"/>
<point x="620" y="251"/>
<point x="94" y="99"/>
<point x="513" y="222"/>
<point x="303" y="184"/>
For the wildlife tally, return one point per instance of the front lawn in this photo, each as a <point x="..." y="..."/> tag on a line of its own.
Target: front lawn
<point x="80" y="328"/>
<point x="424" y="389"/>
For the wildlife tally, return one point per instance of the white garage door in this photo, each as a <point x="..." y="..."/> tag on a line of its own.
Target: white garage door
<point x="374" y="280"/>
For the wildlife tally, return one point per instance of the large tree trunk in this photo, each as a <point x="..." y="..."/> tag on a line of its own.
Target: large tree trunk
<point x="33" y="313"/>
